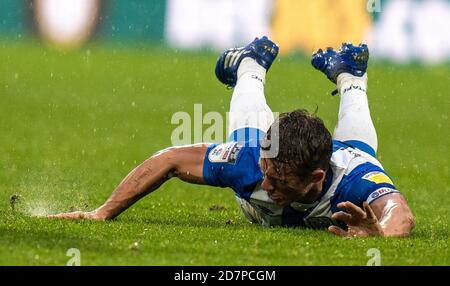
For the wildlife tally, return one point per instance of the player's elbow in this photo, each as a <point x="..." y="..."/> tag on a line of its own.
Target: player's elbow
<point x="184" y="162"/>
<point x="167" y="158"/>
<point x="405" y="225"/>
<point x="411" y="220"/>
<point x="175" y="159"/>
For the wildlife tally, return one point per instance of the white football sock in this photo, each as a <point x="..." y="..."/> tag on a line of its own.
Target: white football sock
<point x="250" y="65"/>
<point x="248" y="107"/>
<point x="354" y="121"/>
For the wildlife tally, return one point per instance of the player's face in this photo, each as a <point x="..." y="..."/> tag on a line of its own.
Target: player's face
<point x="283" y="187"/>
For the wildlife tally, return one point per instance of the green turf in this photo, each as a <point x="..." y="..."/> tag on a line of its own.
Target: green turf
<point x="74" y="124"/>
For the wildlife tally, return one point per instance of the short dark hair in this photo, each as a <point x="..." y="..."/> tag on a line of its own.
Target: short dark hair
<point x="304" y="143"/>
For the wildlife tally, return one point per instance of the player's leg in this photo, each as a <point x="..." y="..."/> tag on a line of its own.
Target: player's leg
<point x="245" y="69"/>
<point x="347" y="68"/>
<point x="249" y="117"/>
<point x="354" y="121"/>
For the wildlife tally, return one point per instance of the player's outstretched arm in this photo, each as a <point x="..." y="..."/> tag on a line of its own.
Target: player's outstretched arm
<point x="185" y="162"/>
<point x="390" y="215"/>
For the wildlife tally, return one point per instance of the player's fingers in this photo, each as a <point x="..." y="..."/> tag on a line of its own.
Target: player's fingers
<point x="337" y="231"/>
<point x="369" y="212"/>
<point x="72" y="215"/>
<point x="342" y="216"/>
<point x="63" y="215"/>
<point x="341" y="205"/>
<point x="59" y="216"/>
<point x="354" y="210"/>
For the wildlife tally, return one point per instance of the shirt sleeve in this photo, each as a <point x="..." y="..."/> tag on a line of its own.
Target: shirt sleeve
<point x="367" y="187"/>
<point x="233" y="165"/>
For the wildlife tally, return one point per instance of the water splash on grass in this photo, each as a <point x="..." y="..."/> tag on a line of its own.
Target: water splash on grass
<point x="38" y="209"/>
<point x="46" y="197"/>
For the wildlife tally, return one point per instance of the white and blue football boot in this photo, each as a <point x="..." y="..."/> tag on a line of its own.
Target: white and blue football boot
<point x="348" y="59"/>
<point x="263" y="51"/>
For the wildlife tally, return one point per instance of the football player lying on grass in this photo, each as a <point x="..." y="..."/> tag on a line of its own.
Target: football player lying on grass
<point x="289" y="171"/>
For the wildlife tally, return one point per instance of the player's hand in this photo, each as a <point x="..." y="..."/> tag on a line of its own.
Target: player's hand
<point x="77" y="215"/>
<point x="361" y="223"/>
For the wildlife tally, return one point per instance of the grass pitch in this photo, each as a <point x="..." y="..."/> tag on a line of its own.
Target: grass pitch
<point x="74" y="124"/>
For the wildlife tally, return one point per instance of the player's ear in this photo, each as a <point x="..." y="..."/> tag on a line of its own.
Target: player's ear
<point x="317" y="176"/>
